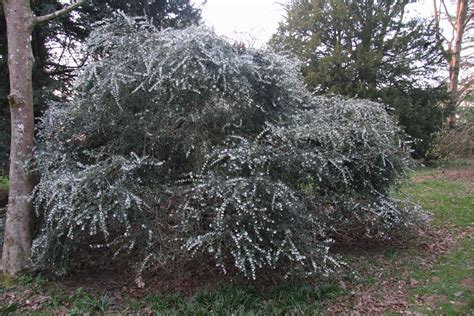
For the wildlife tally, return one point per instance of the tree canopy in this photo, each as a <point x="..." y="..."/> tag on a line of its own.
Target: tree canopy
<point x="367" y="49"/>
<point x="57" y="47"/>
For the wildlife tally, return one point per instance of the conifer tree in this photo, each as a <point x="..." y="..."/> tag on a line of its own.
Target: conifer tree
<point x="367" y="49"/>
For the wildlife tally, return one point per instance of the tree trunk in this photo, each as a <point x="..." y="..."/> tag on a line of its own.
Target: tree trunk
<point x="461" y="14"/>
<point x="18" y="226"/>
<point x="455" y="62"/>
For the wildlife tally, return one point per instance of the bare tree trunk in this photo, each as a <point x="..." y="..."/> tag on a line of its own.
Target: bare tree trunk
<point x="458" y="24"/>
<point x="19" y="224"/>
<point x="455" y="58"/>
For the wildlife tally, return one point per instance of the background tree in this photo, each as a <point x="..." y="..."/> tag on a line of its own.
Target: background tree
<point x="460" y="31"/>
<point x="57" y="48"/>
<point x="366" y="49"/>
<point x="163" y="13"/>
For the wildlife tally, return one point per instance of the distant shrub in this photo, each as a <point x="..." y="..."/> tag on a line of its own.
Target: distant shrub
<point x="458" y="141"/>
<point x="178" y="143"/>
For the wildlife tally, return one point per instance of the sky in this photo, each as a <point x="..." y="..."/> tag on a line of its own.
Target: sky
<point x="250" y="21"/>
<point x="254" y="21"/>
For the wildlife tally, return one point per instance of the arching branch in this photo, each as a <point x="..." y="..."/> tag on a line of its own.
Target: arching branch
<point x="65" y="10"/>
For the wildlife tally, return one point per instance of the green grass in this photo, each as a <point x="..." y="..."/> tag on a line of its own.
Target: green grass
<point x="446" y="200"/>
<point x="450" y="164"/>
<point x="445" y="281"/>
<point x="452" y="203"/>
<point x="292" y="298"/>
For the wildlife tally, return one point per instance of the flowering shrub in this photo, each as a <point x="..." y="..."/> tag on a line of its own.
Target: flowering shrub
<point x="179" y="143"/>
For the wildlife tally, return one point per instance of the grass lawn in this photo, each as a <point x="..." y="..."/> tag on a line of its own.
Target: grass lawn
<point x="433" y="274"/>
<point x="448" y="193"/>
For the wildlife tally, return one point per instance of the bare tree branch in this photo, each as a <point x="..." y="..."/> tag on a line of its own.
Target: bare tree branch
<point x="65" y="10"/>
<point x="450" y="18"/>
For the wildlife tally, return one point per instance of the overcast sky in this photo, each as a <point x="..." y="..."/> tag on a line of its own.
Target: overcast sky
<point x="251" y="21"/>
<point x="254" y="21"/>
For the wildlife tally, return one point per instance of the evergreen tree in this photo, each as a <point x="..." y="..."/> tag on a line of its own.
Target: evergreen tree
<point x="163" y="13"/>
<point x="366" y="49"/>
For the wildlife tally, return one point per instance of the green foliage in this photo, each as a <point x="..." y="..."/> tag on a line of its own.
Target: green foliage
<point x="7" y="309"/>
<point x="57" y="48"/>
<point x="83" y="302"/>
<point x="179" y="144"/>
<point x="162" y="13"/>
<point x="420" y="115"/>
<point x="228" y="299"/>
<point x="3" y="183"/>
<point x="365" y="49"/>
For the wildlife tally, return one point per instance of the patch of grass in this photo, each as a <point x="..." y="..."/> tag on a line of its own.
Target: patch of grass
<point x="450" y="202"/>
<point x="447" y="200"/>
<point x="229" y="299"/>
<point x="133" y="305"/>
<point x="85" y="303"/>
<point x="452" y="163"/>
<point x="6" y="281"/>
<point x="299" y="299"/>
<point x="445" y="281"/>
<point x="7" y="309"/>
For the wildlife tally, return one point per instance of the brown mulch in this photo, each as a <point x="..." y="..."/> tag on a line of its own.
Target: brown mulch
<point x="184" y="280"/>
